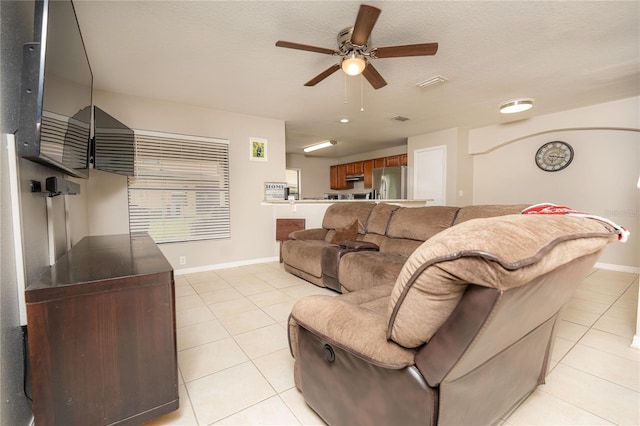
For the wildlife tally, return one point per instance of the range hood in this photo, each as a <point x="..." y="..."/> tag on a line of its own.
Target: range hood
<point x="355" y="178"/>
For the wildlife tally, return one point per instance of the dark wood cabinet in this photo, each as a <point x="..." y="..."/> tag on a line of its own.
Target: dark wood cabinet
<point x="368" y="173"/>
<point x="338" y="175"/>
<point x="101" y="333"/>
<point x="392" y="161"/>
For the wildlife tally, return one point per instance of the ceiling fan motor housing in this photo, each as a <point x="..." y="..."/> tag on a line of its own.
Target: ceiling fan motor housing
<point x="344" y="42"/>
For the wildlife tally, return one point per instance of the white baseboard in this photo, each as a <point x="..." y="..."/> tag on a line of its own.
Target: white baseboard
<point x="619" y="268"/>
<point x="636" y="342"/>
<point x="225" y="265"/>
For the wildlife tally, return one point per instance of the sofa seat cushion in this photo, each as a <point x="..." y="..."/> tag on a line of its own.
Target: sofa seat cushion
<point x="365" y="269"/>
<point x="355" y="322"/>
<point x="500" y="252"/>
<point x="305" y="255"/>
<point x="399" y="246"/>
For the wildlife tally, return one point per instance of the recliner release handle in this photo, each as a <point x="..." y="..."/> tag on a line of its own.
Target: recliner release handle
<point x="329" y="354"/>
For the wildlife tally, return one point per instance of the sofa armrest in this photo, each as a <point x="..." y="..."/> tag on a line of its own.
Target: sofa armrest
<point x="309" y="234"/>
<point x="351" y="327"/>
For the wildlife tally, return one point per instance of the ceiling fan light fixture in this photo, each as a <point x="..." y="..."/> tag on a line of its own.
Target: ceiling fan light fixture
<point x="516" y="105"/>
<point x="321" y="145"/>
<point x="353" y="64"/>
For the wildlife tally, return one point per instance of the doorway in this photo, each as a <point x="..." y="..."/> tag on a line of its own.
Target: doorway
<point x="430" y="175"/>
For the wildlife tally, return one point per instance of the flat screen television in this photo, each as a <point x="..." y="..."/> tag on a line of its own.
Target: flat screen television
<point x="55" y="112"/>
<point x="113" y="144"/>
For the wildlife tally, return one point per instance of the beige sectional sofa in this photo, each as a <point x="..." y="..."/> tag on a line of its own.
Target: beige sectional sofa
<point x="462" y="336"/>
<point x="396" y="232"/>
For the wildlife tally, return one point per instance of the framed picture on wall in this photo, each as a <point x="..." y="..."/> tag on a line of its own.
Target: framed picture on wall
<point x="257" y="149"/>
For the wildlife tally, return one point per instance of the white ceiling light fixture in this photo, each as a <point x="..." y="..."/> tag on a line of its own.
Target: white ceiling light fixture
<point x="344" y="120"/>
<point x="516" y="105"/>
<point x="433" y="81"/>
<point x="321" y="145"/>
<point x="353" y="64"/>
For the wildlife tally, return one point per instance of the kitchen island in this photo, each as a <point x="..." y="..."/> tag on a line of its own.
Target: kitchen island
<point x="313" y="210"/>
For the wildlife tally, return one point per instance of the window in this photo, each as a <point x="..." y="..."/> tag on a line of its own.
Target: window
<point x="180" y="190"/>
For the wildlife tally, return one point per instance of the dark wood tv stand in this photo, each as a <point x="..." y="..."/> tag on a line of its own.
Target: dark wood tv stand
<point x="102" y="337"/>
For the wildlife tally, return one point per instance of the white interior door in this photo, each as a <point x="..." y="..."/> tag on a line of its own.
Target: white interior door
<point x="430" y="173"/>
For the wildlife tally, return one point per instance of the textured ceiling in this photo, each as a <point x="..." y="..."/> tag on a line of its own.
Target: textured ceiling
<point x="222" y="55"/>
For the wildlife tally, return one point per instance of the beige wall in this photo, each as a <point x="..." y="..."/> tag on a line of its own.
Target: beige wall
<point x="601" y="179"/>
<point x="314" y="174"/>
<point x="252" y="229"/>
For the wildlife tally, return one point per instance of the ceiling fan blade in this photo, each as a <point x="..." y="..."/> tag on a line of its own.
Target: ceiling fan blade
<point x="373" y="76"/>
<point x="291" y="45"/>
<point x="423" y="49"/>
<point x="366" y="19"/>
<point x="324" y="74"/>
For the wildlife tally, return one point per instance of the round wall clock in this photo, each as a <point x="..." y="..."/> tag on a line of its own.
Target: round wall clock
<point x="554" y="156"/>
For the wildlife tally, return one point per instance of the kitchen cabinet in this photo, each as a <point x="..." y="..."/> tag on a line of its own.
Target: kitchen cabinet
<point x="338" y="176"/>
<point x="367" y="169"/>
<point x="392" y="161"/>
<point x="339" y="172"/>
<point x="354" y="168"/>
<point x="101" y="334"/>
<point x="358" y="167"/>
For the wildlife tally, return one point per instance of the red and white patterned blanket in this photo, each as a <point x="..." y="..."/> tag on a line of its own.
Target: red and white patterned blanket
<point x="548" y="208"/>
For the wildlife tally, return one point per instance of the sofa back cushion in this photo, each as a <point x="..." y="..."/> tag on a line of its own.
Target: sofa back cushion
<point x="379" y="218"/>
<point x="341" y="215"/>
<point x="480" y="211"/>
<point x="500" y="252"/>
<point x="420" y="223"/>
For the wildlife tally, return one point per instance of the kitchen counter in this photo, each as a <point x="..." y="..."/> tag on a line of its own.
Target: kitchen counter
<point x="313" y="210"/>
<point x="327" y="201"/>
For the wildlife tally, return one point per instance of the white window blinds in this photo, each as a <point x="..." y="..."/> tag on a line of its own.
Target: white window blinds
<point x="180" y="190"/>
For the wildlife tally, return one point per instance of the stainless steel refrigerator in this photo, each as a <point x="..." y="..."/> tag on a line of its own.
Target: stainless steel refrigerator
<point x="390" y="183"/>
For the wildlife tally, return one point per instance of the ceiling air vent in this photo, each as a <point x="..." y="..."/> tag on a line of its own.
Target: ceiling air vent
<point x="433" y="81"/>
<point x="399" y="118"/>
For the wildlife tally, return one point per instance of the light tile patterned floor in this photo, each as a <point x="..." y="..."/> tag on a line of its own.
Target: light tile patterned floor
<point x="235" y="366"/>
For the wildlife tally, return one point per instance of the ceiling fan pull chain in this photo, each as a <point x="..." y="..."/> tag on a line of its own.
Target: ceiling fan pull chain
<point x="361" y="92"/>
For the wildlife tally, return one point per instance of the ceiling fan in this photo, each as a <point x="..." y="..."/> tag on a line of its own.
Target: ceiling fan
<point x="353" y="47"/>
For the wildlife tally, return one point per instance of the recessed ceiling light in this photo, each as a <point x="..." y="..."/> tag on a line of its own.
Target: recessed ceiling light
<point x="516" y="105"/>
<point x="344" y="120"/>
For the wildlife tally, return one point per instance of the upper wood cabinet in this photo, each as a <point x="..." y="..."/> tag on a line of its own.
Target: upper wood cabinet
<point x="367" y="169"/>
<point x="338" y="176"/>
<point x="379" y="162"/>
<point x="392" y="161"/>
<point x="339" y="172"/>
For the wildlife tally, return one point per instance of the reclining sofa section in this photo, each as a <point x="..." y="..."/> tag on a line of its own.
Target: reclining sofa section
<point x="462" y="336"/>
<point x="393" y="233"/>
